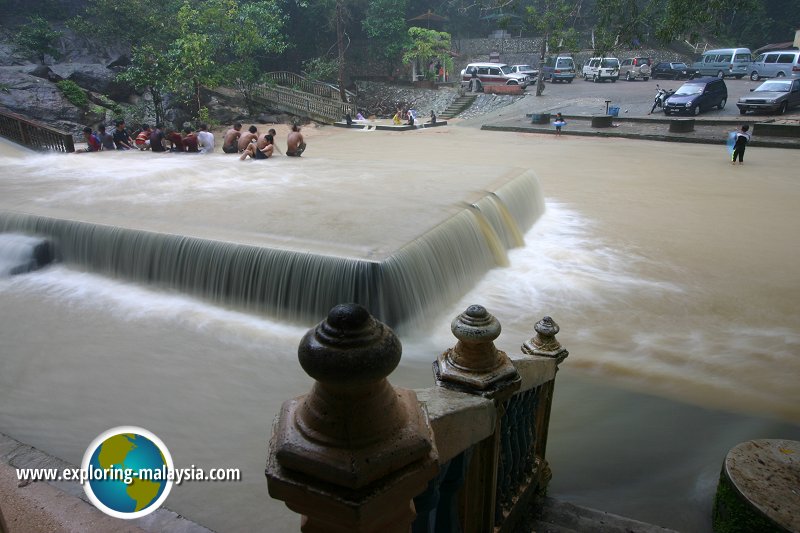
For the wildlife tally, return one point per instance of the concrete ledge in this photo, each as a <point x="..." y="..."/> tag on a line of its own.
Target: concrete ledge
<point x="458" y="420"/>
<point x="62" y="506"/>
<point x="562" y="517"/>
<point x="534" y="370"/>
<point x="776" y="130"/>
<point x="389" y="127"/>
<point x="653" y="119"/>
<point x="641" y="136"/>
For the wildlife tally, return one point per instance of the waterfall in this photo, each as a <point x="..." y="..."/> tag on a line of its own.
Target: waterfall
<point x="422" y="276"/>
<point x="23" y="253"/>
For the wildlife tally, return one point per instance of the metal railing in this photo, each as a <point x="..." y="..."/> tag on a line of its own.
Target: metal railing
<point x="301" y="83"/>
<point x="34" y="134"/>
<point x="301" y="103"/>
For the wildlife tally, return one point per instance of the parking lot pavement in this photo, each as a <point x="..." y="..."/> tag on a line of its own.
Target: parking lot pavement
<point x="634" y="98"/>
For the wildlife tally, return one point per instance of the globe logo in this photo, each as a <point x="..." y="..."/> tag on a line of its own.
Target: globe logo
<point x="128" y="472"/>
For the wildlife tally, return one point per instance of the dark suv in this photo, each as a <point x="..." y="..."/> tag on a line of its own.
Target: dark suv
<point x="697" y="95"/>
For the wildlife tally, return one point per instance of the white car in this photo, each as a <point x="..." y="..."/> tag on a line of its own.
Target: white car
<point x="491" y="74"/>
<point x="600" y="69"/>
<point x="524" y="69"/>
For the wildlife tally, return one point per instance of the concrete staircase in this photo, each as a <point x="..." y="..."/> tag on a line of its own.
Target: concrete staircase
<point x="458" y="106"/>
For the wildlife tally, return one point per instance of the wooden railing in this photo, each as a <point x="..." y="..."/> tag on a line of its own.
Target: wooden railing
<point x="301" y="103"/>
<point x="33" y="134"/>
<point x="300" y="83"/>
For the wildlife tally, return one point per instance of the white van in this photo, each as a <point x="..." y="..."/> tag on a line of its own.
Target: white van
<point x="777" y="64"/>
<point x="731" y="62"/>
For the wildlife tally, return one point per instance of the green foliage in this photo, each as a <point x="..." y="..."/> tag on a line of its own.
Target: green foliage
<point x="385" y="26"/>
<point x="73" y="92"/>
<point x="424" y="45"/>
<point x="321" y="68"/>
<point x="676" y="19"/>
<point x="37" y="37"/>
<point x="731" y="515"/>
<point x="110" y="104"/>
<point x="551" y="20"/>
<point x="619" y="22"/>
<point x="222" y="41"/>
<point x="128" y="22"/>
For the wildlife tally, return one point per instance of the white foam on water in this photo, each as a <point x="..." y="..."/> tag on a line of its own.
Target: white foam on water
<point x="128" y="302"/>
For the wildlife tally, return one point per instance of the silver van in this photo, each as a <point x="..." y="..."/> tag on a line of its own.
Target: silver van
<point x="778" y="64"/>
<point x="731" y="62"/>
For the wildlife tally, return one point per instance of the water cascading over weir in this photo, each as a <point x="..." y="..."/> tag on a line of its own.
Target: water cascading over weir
<point x="351" y="248"/>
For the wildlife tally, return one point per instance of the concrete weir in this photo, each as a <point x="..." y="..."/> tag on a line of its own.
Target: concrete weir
<point x="290" y="245"/>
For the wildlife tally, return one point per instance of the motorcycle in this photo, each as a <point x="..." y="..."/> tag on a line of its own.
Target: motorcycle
<point x="660" y="98"/>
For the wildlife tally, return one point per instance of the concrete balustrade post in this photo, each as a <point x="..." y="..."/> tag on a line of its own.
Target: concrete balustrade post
<point x="352" y="453"/>
<point x="475" y="366"/>
<point x="544" y="344"/>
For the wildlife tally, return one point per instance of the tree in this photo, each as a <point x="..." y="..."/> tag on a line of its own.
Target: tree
<point x="680" y="19"/>
<point x="222" y="41"/>
<point x="38" y="37"/>
<point x="424" y="45"/>
<point x="618" y="22"/>
<point x="385" y="25"/>
<point x="550" y="18"/>
<point x="149" y="70"/>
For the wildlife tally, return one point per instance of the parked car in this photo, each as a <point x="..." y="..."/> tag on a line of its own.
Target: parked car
<point x="558" y="68"/>
<point x="525" y="69"/>
<point x="724" y="62"/>
<point x="672" y="71"/>
<point x="492" y="74"/>
<point x="697" y="95"/>
<point x="772" y="95"/>
<point x="600" y="69"/>
<point x="635" y="68"/>
<point x="778" y="64"/>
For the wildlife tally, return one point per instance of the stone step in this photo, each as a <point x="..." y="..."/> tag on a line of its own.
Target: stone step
<point x="553" y="516"/>
<point x="458" y="106"/>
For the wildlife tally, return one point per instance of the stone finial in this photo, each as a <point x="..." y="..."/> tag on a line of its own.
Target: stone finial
<point x="544" y="343"/>
<point x="341" y="453"/>
<point x="474" y="364"/>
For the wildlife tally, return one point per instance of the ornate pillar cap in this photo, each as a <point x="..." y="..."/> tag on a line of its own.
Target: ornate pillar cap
<point x="474" y="365"/>
<point x="354" y="448"/>
<point x="544" y="342"/>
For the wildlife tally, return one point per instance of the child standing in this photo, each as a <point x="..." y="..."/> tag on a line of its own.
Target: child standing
<point x="742" y="138"/>
<point x="558" y="123"/>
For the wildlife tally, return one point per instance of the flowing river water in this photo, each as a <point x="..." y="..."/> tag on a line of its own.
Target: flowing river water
<point x="674" y="278"/>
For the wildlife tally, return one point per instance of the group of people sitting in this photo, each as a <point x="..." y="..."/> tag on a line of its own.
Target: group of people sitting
<point x="411" y="117"/>
<point x="146" y="138"/>
<point x="159" y="139"/>
<point x="251" y="144"/>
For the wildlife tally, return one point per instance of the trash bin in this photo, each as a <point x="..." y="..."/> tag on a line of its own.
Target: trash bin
<point x="613" y="111"/>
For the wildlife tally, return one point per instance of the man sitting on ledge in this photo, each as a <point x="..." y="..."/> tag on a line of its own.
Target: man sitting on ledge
<point x="294" y="143"/>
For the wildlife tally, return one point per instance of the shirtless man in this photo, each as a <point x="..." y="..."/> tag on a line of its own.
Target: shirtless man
<point x="294" y="143"/>
<point x="229" y="145"/>
<point x="246" y="138"/>
<point x="262" y="149"/>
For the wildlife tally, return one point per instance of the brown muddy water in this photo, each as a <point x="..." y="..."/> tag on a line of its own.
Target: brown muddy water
<point x="674" y="278"/>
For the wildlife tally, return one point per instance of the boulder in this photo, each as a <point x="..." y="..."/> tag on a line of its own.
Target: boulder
<point x="36" y="98"/>
<point x="264" y="118"/>
<point x="44" y="72"/>
<point x="94" y="77"/>
<point x="10" y="57"/>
